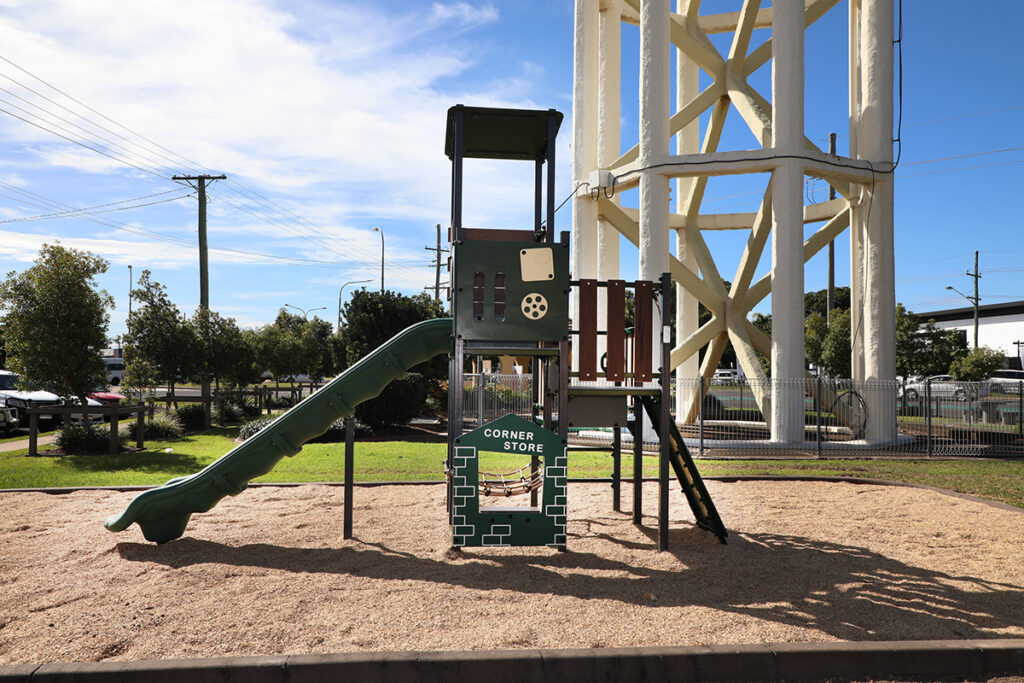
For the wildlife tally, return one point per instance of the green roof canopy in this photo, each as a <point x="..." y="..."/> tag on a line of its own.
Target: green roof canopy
<point x="490" y="133"/>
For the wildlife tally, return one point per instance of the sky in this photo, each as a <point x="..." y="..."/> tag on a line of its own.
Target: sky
<point x="328" y="118"/>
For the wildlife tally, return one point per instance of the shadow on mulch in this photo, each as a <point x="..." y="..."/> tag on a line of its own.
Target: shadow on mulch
<point x="843" y="590"/>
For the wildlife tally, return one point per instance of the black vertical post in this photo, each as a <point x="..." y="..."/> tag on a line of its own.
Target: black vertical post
<point x="1020" y="408"/>
<point x="928" y="417"/>
<point x="700" y="416"/>
<point x="140" y="427"/>
<point x="665" y="418"/>
<point x="349" y="467"/>
<point x="617" y="469"/>
<point x="551" y="176"/>
<point x="113" y="429"/>
<point x="33" y="434"/>
<point x="538" y="196"/>
<point x="638" y="460"/>
<point x="457" y="177"/>
<point x="817" y="413"/>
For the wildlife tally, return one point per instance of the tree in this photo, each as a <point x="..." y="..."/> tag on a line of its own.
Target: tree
<point x="223" y="351"/>
<point x="56" y="321"/>
<point x="835" y="351"/>
<point x="160" y="336"/>
<point x="817" y="302"/>
<point x="373" y="318"/>
<point x="977" y="365"/>
<point x="815" y="333"/>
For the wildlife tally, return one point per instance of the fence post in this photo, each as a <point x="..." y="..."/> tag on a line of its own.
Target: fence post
<point x="1020" y="408"/>
<point x="928" y="415"/>
<point x="817" y="413"/>
<point x="33" y="434"/>
<point x="700" y="417"/>
<point x="140" y="428"/>
<point x="114" y="422"/>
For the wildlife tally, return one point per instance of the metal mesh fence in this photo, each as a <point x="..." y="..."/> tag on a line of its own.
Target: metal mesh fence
<point x="726" y="418"/>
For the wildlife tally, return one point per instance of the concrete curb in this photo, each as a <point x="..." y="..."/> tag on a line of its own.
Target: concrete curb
<point x="790" y="661"/>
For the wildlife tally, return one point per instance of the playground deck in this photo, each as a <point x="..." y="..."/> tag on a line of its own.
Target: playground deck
<point x="267" y="572"/>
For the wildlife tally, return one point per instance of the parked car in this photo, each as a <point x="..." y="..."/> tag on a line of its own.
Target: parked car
<point x="944" y="386"/>
<point x="17" y="400"/>
<point x="1006" y="381"/>
<point x="725" y="376"/>
<point x="106" y="398"/>
<point x="115" y="370"/>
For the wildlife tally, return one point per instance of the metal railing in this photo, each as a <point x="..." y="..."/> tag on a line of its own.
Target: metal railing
<point x="925" y="419"/>
<point x="489" y="396"/>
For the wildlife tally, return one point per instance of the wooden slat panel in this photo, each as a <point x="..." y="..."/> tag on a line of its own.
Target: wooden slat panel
<point x="615" y="360"/>
<point x="643" y="332"/>
<point x="588" y="330"/>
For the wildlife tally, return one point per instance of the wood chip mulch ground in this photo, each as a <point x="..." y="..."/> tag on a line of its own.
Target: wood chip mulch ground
<point x="267" y="573"/>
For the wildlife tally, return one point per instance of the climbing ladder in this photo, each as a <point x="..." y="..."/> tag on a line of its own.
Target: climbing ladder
<point x="686" y="471"/>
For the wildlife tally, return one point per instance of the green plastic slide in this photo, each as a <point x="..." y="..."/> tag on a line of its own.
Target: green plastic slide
<point x="163" y="512"/>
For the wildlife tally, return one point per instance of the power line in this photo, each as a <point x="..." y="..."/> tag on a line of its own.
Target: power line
<point x="99" y="208"/>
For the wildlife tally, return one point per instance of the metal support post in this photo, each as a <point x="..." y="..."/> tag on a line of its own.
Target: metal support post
<point x="349" y="467"/>
<point x="638" y="461"/>
<point x="928" y="417"/>
<point x="1020" y="408"/>
<point x="700" y="417"/>
<point x="617" y="469"/>
<point x="817" y="413"/>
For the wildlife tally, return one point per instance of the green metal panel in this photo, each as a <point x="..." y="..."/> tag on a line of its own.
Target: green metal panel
<point x="534" y="311"/>
<point x="490" y="133"/>
<point x="473" y="526"/>
<point x="163" y="512"/>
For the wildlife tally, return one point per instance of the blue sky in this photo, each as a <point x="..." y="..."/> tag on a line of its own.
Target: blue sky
<point x="328" y="118"/>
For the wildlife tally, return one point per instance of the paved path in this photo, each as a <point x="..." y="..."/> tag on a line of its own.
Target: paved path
<point x="23" y="443"/>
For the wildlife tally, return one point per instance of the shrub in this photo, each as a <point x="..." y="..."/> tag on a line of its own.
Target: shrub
<point x="249" y="429"/>
<point x="233" y="413"/>
<point x="86" y="439"/>
<point x="400" y="401"/>
<point x="280" y="401"/>
<point x="192" y="416"/>
<point x="162" y="426"/>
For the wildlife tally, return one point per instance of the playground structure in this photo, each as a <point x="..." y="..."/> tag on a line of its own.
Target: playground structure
<point x="510" y="295"/>
<point x="602" y="171"/>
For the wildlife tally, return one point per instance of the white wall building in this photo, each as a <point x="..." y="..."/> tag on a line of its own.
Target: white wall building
<point x="999" y="325"/>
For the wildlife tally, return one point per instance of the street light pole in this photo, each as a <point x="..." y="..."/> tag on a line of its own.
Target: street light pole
<point x="353" y="282"/>
<point x="306" y="312"/>
<point x="381" y="258"/>
<point x="974" y="302"/>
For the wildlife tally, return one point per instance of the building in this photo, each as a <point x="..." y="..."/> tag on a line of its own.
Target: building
<point x="1000" y="326"/>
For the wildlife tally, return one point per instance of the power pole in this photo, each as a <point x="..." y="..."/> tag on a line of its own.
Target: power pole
<point x="830" y="296"/>
<point x="204" y="266"/>
<point x="1018" y="344"/>
<point x="437" y="264"/>
<point x="977" y="276"/>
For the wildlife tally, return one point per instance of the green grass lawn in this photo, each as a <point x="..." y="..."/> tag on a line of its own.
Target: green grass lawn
<point x="1001" y="480"/>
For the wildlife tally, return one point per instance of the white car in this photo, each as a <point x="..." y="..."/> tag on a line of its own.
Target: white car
<point x="944" y="386"/>
<point x="725" y="376"/>
<point x="16" y="400"/>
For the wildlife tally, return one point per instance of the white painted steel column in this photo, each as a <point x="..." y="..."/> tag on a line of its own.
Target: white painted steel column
<point x="857" y="213"/>
<point x="787" y="419"/>
<point x="654" y="141"/>
<point x="875" y="141"/>
<point x="687" y="142"/>
<point x="584" y="150"/>
<point x="609" y="147"/>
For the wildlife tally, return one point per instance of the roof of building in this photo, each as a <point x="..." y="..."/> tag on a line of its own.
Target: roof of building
<point x="967" y="313"/>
